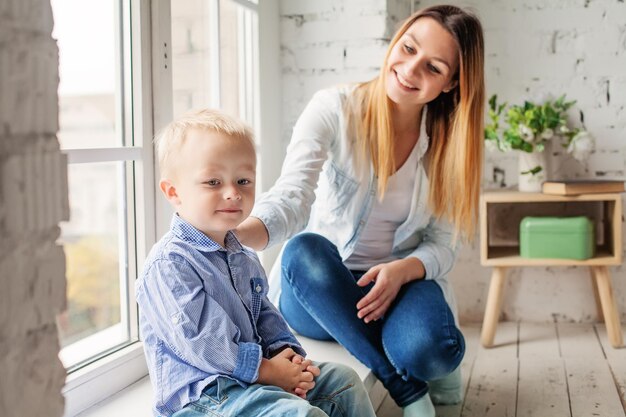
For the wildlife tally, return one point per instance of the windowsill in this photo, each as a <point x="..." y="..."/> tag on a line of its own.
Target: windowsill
<point x="98" y="382"/>
<point x="136" y="400"/>
<point x="92" y="345"/>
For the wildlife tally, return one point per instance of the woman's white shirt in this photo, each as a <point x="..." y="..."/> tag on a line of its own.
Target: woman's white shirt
<point x="375" y="243"/>
<point x="322" y="190"/>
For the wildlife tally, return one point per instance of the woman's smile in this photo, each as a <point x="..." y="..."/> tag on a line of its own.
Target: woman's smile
<point x="406" y="85"/>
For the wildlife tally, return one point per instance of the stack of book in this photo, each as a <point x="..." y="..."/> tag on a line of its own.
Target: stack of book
<point x="575" y="187"/>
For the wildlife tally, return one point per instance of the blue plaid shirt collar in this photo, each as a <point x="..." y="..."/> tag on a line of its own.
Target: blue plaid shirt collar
<point x="184" y="231"/>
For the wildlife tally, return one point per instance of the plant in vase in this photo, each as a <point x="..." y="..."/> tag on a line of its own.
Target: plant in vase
<point x="528" y="128"/>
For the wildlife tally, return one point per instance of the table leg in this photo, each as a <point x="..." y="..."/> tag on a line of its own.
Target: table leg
<point x="494" y="304"/>
<point x="611" y="315"/>
<point x="596" y="296"/>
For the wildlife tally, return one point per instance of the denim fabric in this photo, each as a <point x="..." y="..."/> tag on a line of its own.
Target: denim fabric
<point x="415" y="342"/>
<point x="338" y="392"/>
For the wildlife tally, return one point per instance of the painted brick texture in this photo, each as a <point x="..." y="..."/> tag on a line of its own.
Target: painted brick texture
<point x="534" y="49"/>
<point x="33" y="199"/>
<point x="331" y="42"/>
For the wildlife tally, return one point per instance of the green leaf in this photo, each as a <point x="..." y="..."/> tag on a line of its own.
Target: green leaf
<point x="527" y="147"/>
<point x="491" y="135"/>
<point x="533" y="171"/>
<point x="492" y="102"/>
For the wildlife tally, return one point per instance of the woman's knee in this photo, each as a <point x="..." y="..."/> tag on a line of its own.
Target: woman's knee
<point x="312" y="256"/>
<point x="306" y="247"/>
<point x="425" y="357"/>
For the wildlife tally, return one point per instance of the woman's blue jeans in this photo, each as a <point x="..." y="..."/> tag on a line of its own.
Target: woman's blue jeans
<point x="415" y="342"/>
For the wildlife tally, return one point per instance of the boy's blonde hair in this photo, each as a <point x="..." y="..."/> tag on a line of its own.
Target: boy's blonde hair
<point x="172" y="137"/>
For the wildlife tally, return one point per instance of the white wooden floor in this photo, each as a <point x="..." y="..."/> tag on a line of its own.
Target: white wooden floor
<point x="539" y="370"/>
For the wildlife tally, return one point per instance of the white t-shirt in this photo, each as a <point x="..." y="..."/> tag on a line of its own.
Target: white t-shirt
<point x="376" y="240"/>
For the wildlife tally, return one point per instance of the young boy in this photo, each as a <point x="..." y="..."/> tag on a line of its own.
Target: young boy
<point x="214" y="343"/>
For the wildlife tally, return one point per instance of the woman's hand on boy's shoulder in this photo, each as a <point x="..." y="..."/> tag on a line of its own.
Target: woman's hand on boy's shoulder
<point x="252" y="233"/>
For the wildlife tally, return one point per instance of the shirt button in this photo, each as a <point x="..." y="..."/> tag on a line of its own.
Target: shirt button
<point x="175" y="319"/>
<point x="362" y="222"/>
<point x="258" y="288"/>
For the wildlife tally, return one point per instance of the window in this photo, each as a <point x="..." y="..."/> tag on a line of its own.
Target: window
<point x="127" y="67"/>
<point x="214" y="51"/>
<point x="104" y="130"/>
<point x="95" y="109"/>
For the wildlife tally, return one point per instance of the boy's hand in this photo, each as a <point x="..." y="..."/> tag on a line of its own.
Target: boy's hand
<point x="307" y="366"/>
<point x="280" y="371"/>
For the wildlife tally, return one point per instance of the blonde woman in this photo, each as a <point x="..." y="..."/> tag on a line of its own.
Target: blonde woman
<point x="380" y="182"/>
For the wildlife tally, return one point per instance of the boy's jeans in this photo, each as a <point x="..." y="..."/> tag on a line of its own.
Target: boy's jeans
<point x="416" y="341"/>
<point x="338" y="392"/>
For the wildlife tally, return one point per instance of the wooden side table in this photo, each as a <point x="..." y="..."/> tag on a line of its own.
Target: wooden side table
<point x="503" y="256"/>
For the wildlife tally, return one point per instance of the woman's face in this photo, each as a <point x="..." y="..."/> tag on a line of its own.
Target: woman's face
<point x="421" y="64"/>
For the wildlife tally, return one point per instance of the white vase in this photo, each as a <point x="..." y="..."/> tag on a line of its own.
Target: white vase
<point x="529" y="162"/>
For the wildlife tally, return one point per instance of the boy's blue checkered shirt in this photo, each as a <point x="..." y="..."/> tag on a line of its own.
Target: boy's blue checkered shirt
<point x="204" y="312"/>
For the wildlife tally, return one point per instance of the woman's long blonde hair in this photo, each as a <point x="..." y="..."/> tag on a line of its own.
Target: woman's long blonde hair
<point x="454" y="123"/>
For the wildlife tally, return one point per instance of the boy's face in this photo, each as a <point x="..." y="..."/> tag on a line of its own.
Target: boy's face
<point x="212" y="183"/>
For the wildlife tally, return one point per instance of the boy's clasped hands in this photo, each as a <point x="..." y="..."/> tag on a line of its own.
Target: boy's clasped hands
<point x="289" y="371"/>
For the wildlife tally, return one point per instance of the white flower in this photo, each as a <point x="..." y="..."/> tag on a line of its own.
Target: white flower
<point x="491" y="145"/>
<point x="563" y="129"/>
<point x="526" y="132"/>
<point x="581" y="145"/>
<point x="505" y="146"/>
<point x="547" y="133"/>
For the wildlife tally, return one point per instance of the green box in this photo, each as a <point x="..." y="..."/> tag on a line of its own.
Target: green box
<point x="557" y="237"/>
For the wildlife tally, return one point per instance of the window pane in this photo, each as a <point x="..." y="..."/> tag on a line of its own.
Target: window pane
<point x="89" y="88"/>
<point x="95" y="247"/>
<point x="214" y="49"/>
<point x="191" y="48"/>
<point x="230" y="56"/>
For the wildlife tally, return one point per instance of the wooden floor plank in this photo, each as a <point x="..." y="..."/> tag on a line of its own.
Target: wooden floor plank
<point x="542" y="385"/>
<point x="616" y="359"/>
<point x="578" y="341"/>
<point x="542" y="388"/>
<point x="493" y="382"/>
<point x="592" y="391"/>
<point x="538" y="340"/>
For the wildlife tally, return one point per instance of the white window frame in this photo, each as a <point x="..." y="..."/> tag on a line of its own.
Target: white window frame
<point x="269" y="115"/>
<point x="111" y="373"/>
<point x="152" y="109"/>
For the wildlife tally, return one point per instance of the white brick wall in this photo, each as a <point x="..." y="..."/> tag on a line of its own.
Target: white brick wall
<point x="33" y="199"/>
<point x="331" y="42"/>
<point x="533" y="48"/>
